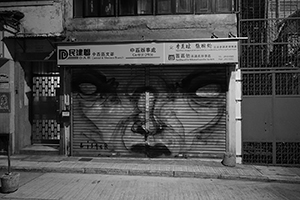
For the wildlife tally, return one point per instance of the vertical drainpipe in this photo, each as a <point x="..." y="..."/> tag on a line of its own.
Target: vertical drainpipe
<point x="233" y="132"/>
<point x="13" y="91"/>
<point x="229" y="158"/>
<point x="234" y="98"/>
<point x="238" y="114"/>
<point x="238" y="92"/>
<point x="12" y="114"/>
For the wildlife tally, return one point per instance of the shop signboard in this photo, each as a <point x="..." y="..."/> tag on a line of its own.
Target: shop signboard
<point x="201" y="52"/>
<point x="111" y="54"/>
<point x="156" y="53"/>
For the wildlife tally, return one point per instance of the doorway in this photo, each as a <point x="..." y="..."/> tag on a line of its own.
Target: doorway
<point x="45" y="104"/>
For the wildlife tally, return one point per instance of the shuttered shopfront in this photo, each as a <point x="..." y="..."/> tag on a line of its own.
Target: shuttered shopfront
<point x="149" y="110"/>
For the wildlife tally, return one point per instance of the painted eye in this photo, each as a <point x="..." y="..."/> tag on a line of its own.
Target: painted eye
<point x="87" y="88"/>
<point x="211" y="90"/>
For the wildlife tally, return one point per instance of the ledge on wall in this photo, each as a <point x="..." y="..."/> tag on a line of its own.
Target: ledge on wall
<point x="33" y="47"/>
<point x="26" y="3"/>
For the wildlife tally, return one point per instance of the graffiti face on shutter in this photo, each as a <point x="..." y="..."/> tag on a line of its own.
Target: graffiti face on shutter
<point x="159" y="117"/>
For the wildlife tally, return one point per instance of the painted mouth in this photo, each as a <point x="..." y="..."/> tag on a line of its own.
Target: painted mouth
<point x="151" y="151"/>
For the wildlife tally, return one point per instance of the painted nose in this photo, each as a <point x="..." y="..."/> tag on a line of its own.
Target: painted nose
<point x="153" y="129"/>
<point x="139" y="127"/>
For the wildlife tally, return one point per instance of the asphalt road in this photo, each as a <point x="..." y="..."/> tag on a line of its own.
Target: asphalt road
<point x="95" y="186"/>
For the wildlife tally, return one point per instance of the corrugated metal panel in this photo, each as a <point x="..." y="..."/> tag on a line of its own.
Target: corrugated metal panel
<point x="149" y="111"/>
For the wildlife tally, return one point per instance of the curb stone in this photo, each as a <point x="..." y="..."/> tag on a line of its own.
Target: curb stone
<point x="137" y="172"/>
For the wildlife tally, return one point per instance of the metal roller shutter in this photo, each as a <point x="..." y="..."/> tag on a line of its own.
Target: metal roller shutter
<point x="149" y="111"/>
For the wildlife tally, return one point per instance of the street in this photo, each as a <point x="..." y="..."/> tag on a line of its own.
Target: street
<point x="95" y="186"/>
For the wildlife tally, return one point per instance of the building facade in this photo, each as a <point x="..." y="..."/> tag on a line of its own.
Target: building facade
<point x="145" y="78"/>
<point x="26" y="50"/>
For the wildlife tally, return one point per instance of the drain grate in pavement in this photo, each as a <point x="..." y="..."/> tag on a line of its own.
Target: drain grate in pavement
<point x="85" y="159"/>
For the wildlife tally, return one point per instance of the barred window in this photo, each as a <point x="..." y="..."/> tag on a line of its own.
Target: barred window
<point x="106" y="8"/>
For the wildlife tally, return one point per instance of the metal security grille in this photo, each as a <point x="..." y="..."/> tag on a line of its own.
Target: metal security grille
<point x="287" y="83"/>
<point x="45" y="130"/>
<point x="264" y="83"/>
<point x="270" y="63"/>
<point x="288" y="153"/>
<point x="149" y="111"/>
<point x="258" y="152"/>
<point x="46" y="82"/>
<point x="257" y="83"/>
<point x="272" y="28"/>
<point x="45" y="86"/>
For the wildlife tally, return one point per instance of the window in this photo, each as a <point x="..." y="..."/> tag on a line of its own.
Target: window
<point x="107" y="7"/>
<point x="127" y="7"/>
<point x="174" y="6"/>
<point x="183" y="6"/>
<point x="164" y="7"/>
<point x="135" y="7"/>
<point x="213" y="6"/>
<point x="144" y="7"/>
<point x="91" y="8"/>
<point x="94" y="8"/>
<point x="223" y="6"/>
<point x="102" y="8"/>
<point x="203" y="6"/>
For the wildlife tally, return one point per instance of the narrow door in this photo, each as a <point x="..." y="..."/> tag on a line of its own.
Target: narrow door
<point x="46" y="83"/>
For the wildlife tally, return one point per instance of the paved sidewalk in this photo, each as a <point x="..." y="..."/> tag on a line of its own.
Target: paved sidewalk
<point x="196" y="168"/>
<point x="69" y="186"/>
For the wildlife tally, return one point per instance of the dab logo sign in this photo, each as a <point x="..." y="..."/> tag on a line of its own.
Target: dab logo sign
<point x="64" y="54"/>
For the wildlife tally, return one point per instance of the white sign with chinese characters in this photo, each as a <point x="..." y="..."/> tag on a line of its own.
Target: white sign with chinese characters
<point x="116" y="54"/>
<point x="201" y="52"/>
<point x="149" y="53"/>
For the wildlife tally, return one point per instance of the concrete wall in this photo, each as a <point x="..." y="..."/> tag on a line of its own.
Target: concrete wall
<point x="15" y="122"/>
<point x="7" y="85"/>
<point x="147" y="27"/>
<point x="40" y="16"/>
<point x="22" y="98"/>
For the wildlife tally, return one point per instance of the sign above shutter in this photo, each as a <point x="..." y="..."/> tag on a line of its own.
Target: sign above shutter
<point x="152" y="52"/>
